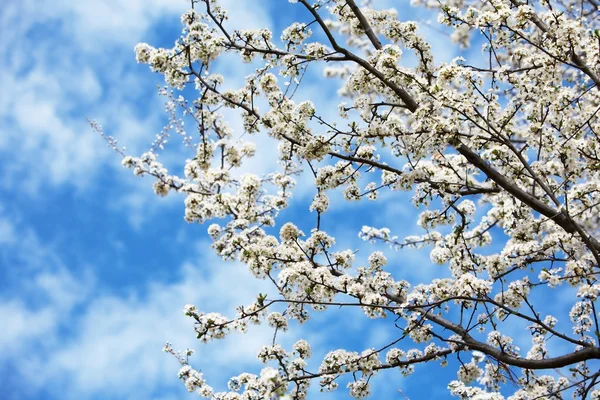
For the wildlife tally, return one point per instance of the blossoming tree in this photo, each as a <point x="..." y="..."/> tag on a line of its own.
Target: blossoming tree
<point x="501" y="154"/>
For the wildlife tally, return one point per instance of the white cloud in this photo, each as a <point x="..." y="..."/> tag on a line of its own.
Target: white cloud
<point x="96" y="24"/>
<point x="83" y="341"/>
<point x="112" y="345"/>
<point x="21" y="329"/>
<point x="7" y="230"/>
<point x="49" y="93"/>
<point x="83" y="67"/>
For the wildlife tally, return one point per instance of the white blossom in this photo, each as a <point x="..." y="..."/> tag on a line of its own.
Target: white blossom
<point x="498" y="149"/>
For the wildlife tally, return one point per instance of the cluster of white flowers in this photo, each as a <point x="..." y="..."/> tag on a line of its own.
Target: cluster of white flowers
<point x="506" y="150"/>
<point x="467" y="373"/>
<point x="458" y="388"/>
<point x="296" y="33"/>
<point x="370" y="234"/>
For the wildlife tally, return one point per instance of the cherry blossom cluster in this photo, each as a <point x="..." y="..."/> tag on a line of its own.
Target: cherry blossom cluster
<point x="500" y="152"/>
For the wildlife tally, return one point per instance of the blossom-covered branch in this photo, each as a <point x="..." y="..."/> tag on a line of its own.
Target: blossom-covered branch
<point x="500" y="153"/>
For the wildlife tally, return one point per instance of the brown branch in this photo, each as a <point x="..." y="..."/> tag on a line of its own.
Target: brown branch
<point x="364" y="24"/>
<point x="559" y="217"/>
<point x="588" y="353"/>
<point x="403" y="363"/>
<point x="410" y="103"/>
<point x="577" y="60"/>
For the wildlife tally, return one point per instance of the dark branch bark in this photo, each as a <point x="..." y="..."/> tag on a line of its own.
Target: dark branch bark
<point x="364" y="24"/>
<point x="559" y="217"/>
<point x="589" y="353"/>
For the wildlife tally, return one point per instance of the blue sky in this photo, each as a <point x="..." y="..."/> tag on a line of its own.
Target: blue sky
<point x="95" y="269"/>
